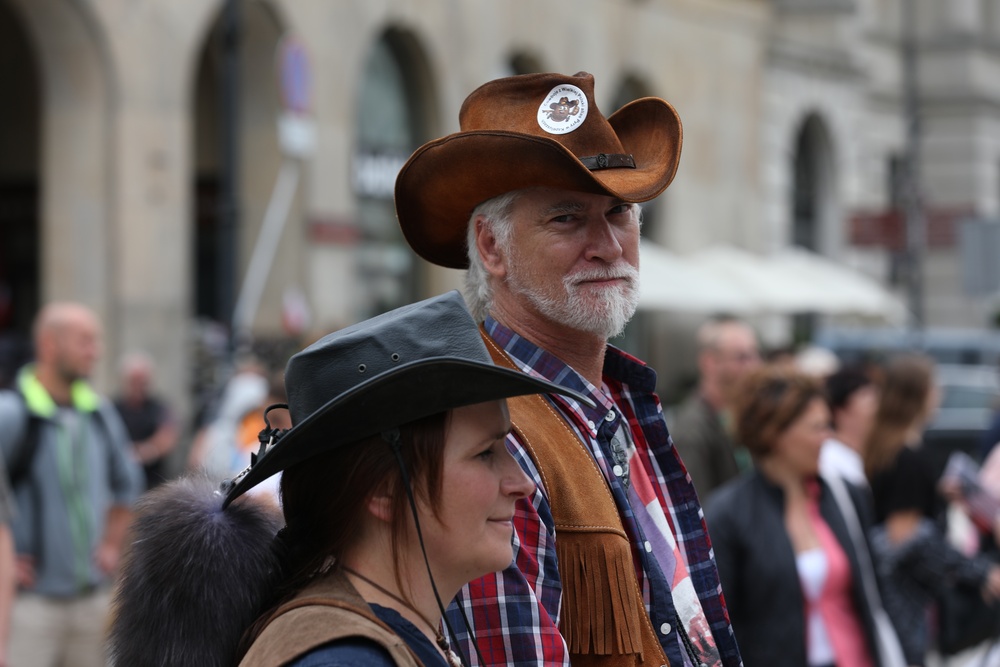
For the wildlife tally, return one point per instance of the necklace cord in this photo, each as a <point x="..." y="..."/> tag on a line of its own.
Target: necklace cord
<point x="400" y="600"/>
<point x="392" y="437"/>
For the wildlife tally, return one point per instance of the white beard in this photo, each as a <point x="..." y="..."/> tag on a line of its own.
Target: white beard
<point x="604" y="314"/>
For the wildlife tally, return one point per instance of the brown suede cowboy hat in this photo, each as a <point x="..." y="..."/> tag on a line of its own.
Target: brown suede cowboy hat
<point x="534" y="130"/>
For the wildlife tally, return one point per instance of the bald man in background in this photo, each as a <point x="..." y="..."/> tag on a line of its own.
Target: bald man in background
<point x="65" y="449"/>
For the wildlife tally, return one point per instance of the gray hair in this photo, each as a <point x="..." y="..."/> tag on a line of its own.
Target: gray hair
<point x="496" y="216"/>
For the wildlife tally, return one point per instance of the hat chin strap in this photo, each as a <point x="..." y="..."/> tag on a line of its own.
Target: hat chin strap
<point x="392" y="437"/>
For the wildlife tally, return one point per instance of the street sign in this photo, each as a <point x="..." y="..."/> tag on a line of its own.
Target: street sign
<point x="294" y="74"/>
<point x="296" y="129"/>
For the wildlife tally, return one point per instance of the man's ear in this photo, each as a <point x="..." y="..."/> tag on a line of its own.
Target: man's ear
<point x="494" y="259"/>
<point x="45" y="344"/>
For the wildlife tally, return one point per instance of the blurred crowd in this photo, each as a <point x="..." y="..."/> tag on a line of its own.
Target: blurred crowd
<point x="835" y="530"/>
<point x="834" y="527"/>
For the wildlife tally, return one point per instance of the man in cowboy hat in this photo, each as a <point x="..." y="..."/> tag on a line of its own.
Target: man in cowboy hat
<point x="613" y="565"/>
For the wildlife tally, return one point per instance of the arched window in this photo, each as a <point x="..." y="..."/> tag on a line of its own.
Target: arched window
<point x="221" y="255"/>
<point x="20" y="120"/>
<point x="524" y="63"/>
<point x="395" y="113"/>
<point x="813" y="186"/>
<point x="813" y="201"/>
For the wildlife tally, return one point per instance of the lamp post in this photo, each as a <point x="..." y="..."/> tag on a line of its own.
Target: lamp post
<point x="916" y="228"/>
<point x="229" y="131"/>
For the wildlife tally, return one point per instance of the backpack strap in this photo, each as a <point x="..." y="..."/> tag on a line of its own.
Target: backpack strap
<point x="24" y="455"/>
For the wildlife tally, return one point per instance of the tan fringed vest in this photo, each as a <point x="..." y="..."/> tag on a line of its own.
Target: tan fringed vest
<point x="603" y="619"/>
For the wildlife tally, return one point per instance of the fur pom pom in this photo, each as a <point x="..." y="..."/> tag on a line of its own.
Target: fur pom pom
<point x="194" y="577"/>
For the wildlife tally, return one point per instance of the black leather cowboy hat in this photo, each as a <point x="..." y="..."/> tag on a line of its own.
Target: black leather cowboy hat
<point x="510" y="140"/>
<point x="406" y="364"/>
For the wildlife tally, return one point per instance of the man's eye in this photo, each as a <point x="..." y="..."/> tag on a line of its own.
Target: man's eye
<point x="621" y="208"/>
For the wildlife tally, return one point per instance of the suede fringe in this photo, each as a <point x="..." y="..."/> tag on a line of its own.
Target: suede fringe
<point x="603" y="617"/>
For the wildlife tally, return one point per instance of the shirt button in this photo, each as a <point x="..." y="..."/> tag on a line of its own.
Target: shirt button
<point x="592" y="426"/>
<point x="649" y="549"/>
<point x="618" y="470"/>
<point x="610" y="417"/>
<point x="665" y="629"/>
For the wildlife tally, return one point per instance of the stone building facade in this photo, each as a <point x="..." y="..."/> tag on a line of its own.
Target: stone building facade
<point x="111" y="135"/>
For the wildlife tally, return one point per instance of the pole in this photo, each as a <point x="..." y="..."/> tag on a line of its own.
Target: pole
<point x="916" y="228"/>
<point x="229" y="196"/>
<point x="265" y="248"/>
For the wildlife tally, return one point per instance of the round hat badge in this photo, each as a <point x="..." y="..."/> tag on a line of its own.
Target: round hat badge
<point x="563" y="110"/>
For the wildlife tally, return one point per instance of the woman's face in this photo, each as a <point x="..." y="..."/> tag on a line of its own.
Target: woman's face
<point x="799" y="444"/>
<point x="858" y="414"/>
<point x="480" y="484"/>
<point x="933" y="402"/>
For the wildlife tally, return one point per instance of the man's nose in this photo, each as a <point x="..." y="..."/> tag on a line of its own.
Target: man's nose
<point x="603" y="242"/>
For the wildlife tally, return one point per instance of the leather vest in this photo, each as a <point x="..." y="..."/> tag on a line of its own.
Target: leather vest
<point x="326" y="610"/>
<point x="603" y="617"/>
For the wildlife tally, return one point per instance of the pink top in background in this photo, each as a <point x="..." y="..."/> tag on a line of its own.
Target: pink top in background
<point x="835" y="603"/>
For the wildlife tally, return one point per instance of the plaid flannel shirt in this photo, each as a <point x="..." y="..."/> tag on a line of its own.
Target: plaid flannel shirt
<point x="515" y="613"/>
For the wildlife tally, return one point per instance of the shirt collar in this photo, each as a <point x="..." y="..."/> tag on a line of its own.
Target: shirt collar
<point x="39" y="402"/>
<point x="619" y="368"/>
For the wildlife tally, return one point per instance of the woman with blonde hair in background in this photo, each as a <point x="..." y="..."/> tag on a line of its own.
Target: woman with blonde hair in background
<point x="789" y="567"/>
<point x="917" y="562"/>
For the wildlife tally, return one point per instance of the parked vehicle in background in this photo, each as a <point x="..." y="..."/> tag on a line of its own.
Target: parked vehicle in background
<point x="977" y="347"/>
<point x="968" y="372"/>
<point x="969" y="397"/>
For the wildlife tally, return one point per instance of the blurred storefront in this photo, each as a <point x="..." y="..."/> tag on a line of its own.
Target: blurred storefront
<point x="113" y="177"/>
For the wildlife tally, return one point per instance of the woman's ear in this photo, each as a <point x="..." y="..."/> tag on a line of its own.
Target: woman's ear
<point x="380" y="506"/>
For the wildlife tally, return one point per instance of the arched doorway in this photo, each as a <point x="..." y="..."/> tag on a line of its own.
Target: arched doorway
<point x="220" y="254"/>
<point x="20" y="118"/>
<point x="225" y="232"/>
<point x="396" y="113"/>
<point x="812" y="202"/>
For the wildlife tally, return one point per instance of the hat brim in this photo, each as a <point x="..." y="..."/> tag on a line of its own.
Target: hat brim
<point x="443" y="181"/>
<point x="402" y="395"/>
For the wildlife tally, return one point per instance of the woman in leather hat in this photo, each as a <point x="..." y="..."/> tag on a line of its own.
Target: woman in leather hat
<point x="397" y="489"/>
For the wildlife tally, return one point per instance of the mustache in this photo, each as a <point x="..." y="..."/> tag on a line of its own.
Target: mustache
<point x="625" y="272"/>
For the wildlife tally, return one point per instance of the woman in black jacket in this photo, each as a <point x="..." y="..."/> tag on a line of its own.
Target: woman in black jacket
<point x="789" y="568"/>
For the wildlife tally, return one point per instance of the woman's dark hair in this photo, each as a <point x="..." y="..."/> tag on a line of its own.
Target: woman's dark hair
<point x="768" y="401"/>
<point x="324" y="501"/>
<point x="841" y="385"/>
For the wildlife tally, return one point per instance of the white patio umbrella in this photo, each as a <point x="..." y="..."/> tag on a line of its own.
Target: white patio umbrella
<point x="845" y="290"/>
<point x="774" y="290"/>
<point x="795" y="280"/>
<point x="673" y="283"/>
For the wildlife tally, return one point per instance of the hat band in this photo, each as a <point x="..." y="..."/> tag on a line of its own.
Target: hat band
<point x="608" y="161"/>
